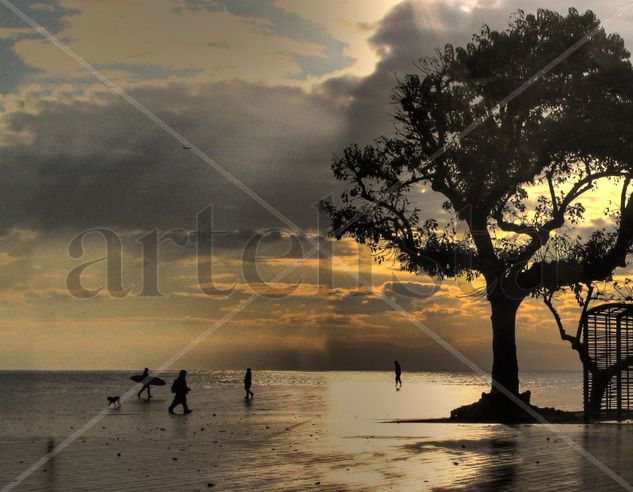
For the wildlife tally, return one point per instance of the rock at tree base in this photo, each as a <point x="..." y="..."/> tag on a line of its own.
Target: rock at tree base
<point x="495" y="407"/>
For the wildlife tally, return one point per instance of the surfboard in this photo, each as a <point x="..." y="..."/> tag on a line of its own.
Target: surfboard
<point x="138" y="378"/>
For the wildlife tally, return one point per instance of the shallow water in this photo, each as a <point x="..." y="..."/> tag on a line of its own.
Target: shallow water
<point x="424" y="394"/>
<point x="302" y="430"/>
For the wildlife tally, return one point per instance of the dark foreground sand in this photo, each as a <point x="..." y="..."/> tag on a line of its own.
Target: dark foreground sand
<point x="301" y="438"/>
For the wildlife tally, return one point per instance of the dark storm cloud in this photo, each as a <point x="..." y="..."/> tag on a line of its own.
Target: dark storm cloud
<point x="410" y="290"/>
<point x="103" y="164"/>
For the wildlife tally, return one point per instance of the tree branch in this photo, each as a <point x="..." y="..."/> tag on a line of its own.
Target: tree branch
<point x="553" y="274"/>
<point x="585" y="306"/>
<point x="575" y="342"/>
<point x="547" y="300"/>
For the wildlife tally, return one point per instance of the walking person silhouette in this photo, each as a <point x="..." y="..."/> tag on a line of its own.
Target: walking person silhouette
<point x="180" y="389"/>
<point x="398" y="371"/>
<point x="248" y="381"/>
<point x="145" y="385"/>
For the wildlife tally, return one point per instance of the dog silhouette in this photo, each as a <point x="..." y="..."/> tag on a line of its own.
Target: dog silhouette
<point x="114" y="400"/>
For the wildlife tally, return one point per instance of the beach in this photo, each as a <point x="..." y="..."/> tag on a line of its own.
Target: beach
<point x="302" y="430"/>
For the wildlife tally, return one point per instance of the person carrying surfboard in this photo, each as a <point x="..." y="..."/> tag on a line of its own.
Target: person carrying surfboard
<point x="146" y="382"/>
<point x="180" y="389"/>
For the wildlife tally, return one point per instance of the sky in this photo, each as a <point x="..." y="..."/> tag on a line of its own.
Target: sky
<point x="269" y="90"/>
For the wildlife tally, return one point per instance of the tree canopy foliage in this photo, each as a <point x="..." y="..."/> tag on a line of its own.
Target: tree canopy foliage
<point x="460" y="132"/>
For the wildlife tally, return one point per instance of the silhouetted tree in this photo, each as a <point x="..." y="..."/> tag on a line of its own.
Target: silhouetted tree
<point x="585" y="294"/>
<point x="512" y="170"/>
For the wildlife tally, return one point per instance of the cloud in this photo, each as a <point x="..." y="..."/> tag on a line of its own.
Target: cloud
<point x="51" y="14"/>
<point x="95" y="160"/>
<point x="215" y="40"/>
<point x="15" y="69"/>
<point x="280" y="22"/>
<point x="410" y="290"/>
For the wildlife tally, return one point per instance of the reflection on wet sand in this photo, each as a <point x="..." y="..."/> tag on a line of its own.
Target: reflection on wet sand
<point x="501" y="475"/>
<point x="50" y="466"/>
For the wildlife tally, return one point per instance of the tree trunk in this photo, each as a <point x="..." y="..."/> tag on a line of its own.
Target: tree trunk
<point x="496" y="406"/>
<point x="505" y="369"/>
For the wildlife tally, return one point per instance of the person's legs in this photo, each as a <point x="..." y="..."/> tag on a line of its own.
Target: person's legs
<point x="174" y="403"/>
<point x="179" y="400"/>
<point x="184" y="405"/>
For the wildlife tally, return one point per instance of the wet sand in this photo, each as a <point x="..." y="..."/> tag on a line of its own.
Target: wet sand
<point x="298" y="437"/>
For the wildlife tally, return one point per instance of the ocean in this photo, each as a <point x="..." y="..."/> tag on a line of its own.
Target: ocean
<point x="371" y="395"/>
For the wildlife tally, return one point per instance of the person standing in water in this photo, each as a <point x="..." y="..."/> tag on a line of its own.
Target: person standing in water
<point x="180" y="389"/>
<point x="145" y="385"/>
<point x="398" y="370"/>
<point x="248" y="381"/>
